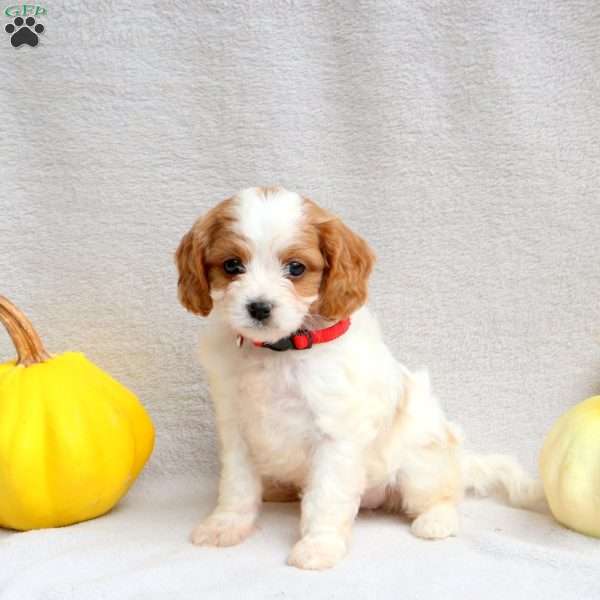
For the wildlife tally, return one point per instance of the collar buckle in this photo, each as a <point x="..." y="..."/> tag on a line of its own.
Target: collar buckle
<point x="285" y="343"/>
<point x="307" y="333"/>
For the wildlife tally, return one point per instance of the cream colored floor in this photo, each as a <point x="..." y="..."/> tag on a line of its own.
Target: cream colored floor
<point x="141" y="550"/>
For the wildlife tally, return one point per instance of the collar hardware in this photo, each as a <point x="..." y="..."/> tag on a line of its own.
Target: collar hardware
<point x="281" y="345"/>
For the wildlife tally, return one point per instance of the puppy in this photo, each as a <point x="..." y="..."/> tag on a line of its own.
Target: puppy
<point x="308" y="399"/>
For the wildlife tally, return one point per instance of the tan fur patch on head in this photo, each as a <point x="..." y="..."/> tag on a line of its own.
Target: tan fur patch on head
<point x="348" y="262"/>
<point x="201" y="254"/>
<point x="226" y="245"/>
<point x="306" y="250"/>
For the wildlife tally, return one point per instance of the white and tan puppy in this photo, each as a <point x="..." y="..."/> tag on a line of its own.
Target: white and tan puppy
<point x="339" y="422"/>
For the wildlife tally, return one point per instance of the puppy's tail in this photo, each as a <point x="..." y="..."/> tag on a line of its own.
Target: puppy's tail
<point x="490" y="474"/>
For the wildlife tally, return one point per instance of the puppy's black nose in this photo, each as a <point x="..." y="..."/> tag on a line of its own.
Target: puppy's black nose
<point x="259" y="310"/>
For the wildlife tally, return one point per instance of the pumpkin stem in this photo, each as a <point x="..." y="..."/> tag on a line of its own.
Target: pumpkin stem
<point x="30" y="349"/>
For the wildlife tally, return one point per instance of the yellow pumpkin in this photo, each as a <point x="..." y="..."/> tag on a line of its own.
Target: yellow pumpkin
<point x="570" y="468"/>
<point x="72" y="439"/>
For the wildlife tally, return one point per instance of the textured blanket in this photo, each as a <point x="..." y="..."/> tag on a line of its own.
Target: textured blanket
<point x="460" y="138"/>
<point x="141" y="550"/>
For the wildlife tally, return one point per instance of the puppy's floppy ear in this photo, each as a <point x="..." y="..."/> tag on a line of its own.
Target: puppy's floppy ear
<point x="349" y="262"/>
<point x="193" y="287"/>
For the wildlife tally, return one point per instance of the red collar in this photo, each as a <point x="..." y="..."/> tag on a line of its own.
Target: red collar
<point x="304" y="338"/>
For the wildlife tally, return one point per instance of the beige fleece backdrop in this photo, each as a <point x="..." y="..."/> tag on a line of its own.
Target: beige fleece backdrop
<point x="460" y="138"/>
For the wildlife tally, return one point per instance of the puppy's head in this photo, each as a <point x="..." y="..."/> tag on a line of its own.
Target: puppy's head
<point x="268" y="261"/>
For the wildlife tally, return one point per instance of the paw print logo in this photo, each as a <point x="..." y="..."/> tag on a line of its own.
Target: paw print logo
<point x="24" y="33"/>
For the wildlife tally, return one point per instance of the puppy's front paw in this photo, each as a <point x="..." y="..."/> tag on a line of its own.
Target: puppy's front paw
<point x="438" y="522"/>
<point x="223" y="529"/>
<point x="317" y="552"/>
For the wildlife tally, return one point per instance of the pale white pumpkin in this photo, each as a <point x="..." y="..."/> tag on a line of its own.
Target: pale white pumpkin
<point x="570" y="468"/>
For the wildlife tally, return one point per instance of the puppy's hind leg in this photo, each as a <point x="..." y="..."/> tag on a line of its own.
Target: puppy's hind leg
<point x="437" y="522"/>
<point x="427" y="490"/>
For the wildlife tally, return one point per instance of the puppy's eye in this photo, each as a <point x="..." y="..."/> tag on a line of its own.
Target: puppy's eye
<point x="295" y="268"/>
<point x="234" y="266"/>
